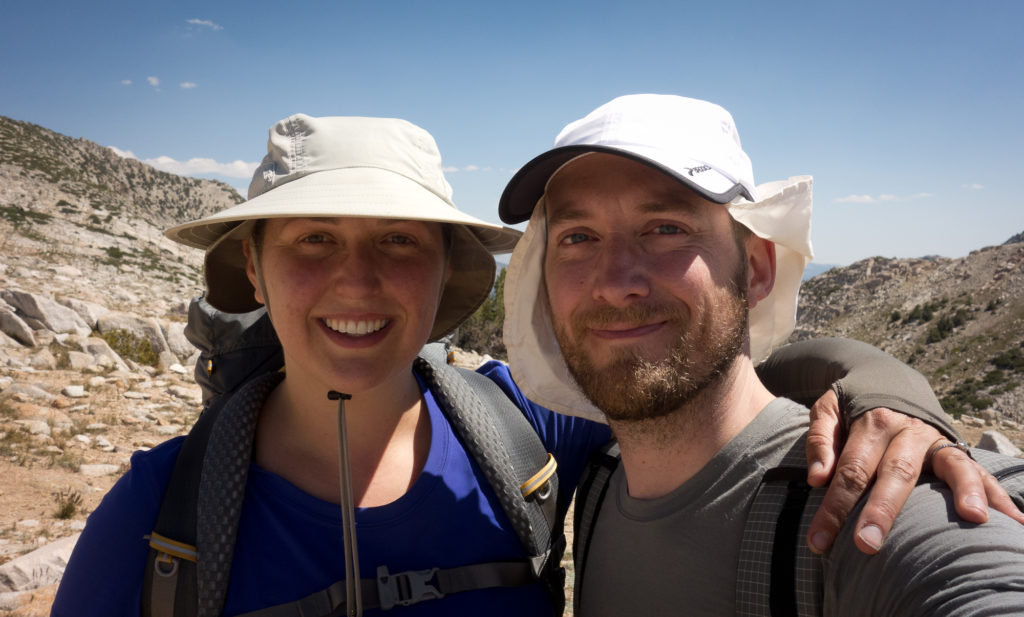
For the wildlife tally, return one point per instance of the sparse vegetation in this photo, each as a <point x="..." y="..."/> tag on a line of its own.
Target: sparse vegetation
<point x="68" y="501"/>
<point x="129" y="346"/>
<point x="482" y="331"/>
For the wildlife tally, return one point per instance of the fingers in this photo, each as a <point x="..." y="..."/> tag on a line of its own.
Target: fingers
<point x="888" y="449"/>
<point x="974" y="488"/>
<point x="823" y="438"/>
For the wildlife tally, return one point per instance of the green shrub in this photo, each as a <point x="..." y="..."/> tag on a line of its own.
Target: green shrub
<point x="483" y="330"/>
<point x="131" y="347"/>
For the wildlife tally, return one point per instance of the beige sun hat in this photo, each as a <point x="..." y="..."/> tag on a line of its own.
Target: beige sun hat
<point x="349" y="167"/>
<point x="693" y="141"/>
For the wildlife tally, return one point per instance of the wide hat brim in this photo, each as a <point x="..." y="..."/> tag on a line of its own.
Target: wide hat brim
<point x="350" y="192"/>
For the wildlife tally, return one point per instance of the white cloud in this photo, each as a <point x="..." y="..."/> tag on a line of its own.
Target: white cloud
<point x="856" y="199"/>
<point x="449" y="170"/>
<point x="125" y="154"/>
<point x="126" y="82"/>
<point x="470" y="168"/>
<point x="974" y="187"/>
<point x="153" y="81"/>
<point x="188" y="85"/>
<point x="204" y="22"/>
<point x="872" y="199"/>
<point x="193" y="167"/>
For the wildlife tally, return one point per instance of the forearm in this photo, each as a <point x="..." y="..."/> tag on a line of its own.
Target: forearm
<point x="862" y="376"/>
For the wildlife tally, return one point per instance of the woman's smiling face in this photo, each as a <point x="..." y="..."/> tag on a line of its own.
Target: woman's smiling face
<point x="352" y="299"/>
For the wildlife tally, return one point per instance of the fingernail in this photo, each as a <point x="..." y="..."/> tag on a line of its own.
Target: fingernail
<point x="817" y="467"/>
<point x="975" y="502"/>
<point x="821" y="541"/>
<point x="871" y="535"/>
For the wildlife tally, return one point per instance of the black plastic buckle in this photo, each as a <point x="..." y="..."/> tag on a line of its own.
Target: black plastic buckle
<point x="405" y="588"/>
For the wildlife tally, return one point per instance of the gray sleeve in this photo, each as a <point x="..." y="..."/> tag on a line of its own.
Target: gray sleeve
<point x="864" y="377"/>
<point x="931" y="564"/>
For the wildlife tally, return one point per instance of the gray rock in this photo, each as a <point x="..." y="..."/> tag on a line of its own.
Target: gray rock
<point x="994" y="441"/>
<point x="31" y="392"/>
<point x="168" y="359"/>
<point x="180" y="346"/>
<point x="16" y="328"/>
<point x="79" y="360"/>
<point x="43" y="566"/>
<point x="35" y="427"/>
<point x="74" y="392"/>
<point x="193" y="394"/>
<point x="104" y="355"/>
<point x="43" y="360"/>
<point x="55" y="317"/>
<point x="90" y="312"/>
<point x="6" y="341"/>
<point x="142" y="327"/>
<point x="98" y="470"/>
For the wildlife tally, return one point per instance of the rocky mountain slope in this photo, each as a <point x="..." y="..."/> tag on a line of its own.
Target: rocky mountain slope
<point x="94" y="365"/>
<point x="958" y="321"/>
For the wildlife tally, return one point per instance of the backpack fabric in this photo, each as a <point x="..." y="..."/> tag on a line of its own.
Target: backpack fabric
<point x="240" y="355"/>
<point x="777" y="575"/>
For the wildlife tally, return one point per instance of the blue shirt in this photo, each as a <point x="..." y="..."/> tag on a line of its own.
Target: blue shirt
<point x="289" y="543"/>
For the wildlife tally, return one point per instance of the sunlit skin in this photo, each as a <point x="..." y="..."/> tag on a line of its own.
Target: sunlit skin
<point x="623" y="235"/>
<point x="352" y="300"/>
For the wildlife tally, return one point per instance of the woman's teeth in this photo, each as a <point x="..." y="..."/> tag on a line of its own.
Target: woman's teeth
<point x="355" y="328"/>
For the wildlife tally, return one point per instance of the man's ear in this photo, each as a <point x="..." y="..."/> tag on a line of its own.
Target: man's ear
<point x="250" y="271"/>
<point x="760" y="269"/>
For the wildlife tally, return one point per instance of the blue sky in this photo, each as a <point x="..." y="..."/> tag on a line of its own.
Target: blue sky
<point x="910" y="115"/>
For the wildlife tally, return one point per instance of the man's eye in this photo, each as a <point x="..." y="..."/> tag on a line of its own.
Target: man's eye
<point x="668" y="229"/>
<point x="399" y="239"/>
<point x="314" y="239"/>
<point x="575" y="238"/>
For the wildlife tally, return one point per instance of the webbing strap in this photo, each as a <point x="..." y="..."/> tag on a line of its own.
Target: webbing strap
<point x="404" y="588"/>
<point x="589" y="496"/>
<point x="164" y="586"/>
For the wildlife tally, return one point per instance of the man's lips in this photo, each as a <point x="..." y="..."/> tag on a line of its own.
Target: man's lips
<point x="615" y="332"/>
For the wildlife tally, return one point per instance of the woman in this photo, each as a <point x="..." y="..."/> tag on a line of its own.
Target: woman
<point x="350" y="240"/>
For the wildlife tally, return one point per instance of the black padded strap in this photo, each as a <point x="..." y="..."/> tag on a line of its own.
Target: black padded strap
<point x="503" y="444"/>
<point x="590" y="495"/>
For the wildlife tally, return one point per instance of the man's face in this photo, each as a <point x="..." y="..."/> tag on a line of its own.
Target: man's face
<point x="647" y="285"/>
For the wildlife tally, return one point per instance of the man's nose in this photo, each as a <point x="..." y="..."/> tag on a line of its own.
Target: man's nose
<point x="620" y="273"/>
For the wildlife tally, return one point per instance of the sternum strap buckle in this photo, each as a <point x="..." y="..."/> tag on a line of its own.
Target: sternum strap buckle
<point x="405" y="588"/>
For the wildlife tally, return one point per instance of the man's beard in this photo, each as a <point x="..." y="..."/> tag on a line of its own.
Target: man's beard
<point x="630" y="388"/>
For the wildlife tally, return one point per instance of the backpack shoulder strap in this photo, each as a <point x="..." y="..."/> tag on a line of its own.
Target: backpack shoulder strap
<point x="192" y="544"/>
<point x="777" y="574"/>
<point x="590" y="493"/>
<point x="1007" y="469"/>
<point x="507" y="448"/>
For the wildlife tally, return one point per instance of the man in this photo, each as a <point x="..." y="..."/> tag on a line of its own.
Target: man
<point x="664" y="274"/>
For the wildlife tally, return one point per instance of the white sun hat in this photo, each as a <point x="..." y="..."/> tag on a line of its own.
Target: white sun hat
<point x="693" y="141"/>
<point x="349" y="167"/>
